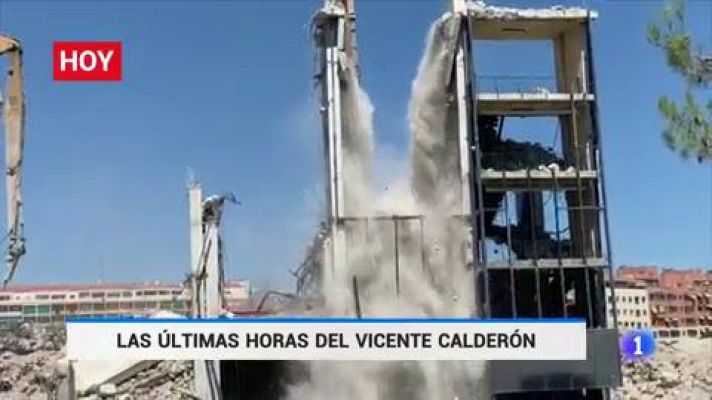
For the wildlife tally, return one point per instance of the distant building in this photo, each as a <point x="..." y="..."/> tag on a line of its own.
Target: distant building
<point x="683" y="303"/>
<point x="55" y="303"/>
<point x="649" y="276"/>
<point x="686" y="279"/>
<point x="632" y="308"/>
<point x="679" y="301"/>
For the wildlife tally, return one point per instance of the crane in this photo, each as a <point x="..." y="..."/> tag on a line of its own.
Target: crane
<point x="13" y="115"/>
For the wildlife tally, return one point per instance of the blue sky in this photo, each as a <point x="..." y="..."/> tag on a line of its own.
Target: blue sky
<point x="225" y="88"/>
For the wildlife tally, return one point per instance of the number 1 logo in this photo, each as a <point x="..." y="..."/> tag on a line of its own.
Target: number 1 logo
<point x="637" y="345"/>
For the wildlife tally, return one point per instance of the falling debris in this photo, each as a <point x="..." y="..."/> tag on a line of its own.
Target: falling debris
<point x="444" y="287"/>
<point x="435" y="177"/>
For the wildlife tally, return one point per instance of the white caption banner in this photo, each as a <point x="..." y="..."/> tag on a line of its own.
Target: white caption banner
<point x="326" y="339"/>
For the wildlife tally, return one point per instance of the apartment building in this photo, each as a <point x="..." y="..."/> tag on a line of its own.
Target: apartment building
<point x="632" y="308"/>
<point x="648" y="276"/>
<point x="55" y="303"/>
<point x="679" y="301"/>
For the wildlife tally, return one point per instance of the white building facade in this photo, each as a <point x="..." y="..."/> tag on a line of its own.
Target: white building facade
<point x="55" y="303"/>
<point x="632" y="306"/>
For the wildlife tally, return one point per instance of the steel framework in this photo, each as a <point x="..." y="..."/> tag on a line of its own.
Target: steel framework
<point x="542" y="273"/>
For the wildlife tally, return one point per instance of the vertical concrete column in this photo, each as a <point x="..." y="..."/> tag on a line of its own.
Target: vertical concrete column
<point x="206" y="372"/>
<point x="195" y="204"/>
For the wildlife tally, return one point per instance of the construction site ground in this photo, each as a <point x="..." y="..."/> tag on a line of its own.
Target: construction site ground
<point x="681" y="369"/>
<point x="33" y="366"/>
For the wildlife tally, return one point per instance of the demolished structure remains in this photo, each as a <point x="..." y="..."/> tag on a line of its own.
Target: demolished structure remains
<point x="13" y="115"/>
<point x="489" y="227"/>
<point x="207" y="278"/>
<point x="548" y="209"/>
<point x="499" y="228"/>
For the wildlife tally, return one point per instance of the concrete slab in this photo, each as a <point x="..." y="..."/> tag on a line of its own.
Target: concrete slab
<point x="528" y="104"/>
<point x="505" y="23"/>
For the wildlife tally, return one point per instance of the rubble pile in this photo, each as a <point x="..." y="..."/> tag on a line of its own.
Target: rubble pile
<point x="33" y="366"/>
<point x="163" y="380"/>
<point x="167" y="380"/>
<point x="32" y="362"/>
<point x="681" y="369"/>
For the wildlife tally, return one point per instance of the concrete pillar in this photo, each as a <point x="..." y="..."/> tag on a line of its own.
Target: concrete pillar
<point x="195" y="204"/>
<point x="206" y="372"/>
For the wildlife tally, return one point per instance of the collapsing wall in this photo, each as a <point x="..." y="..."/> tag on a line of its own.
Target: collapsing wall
<point x="435" y="163"/>
<point x="433" y="279"/>
<point x="437" y="285"/>
<point x="425" y="234"/>
<point x="357" y="146"/>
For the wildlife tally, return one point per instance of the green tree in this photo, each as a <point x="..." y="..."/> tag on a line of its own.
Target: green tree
<point x="688" y="129"/>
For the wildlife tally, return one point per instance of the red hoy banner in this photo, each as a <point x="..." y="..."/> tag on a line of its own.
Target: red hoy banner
<point x="87" y="61"/>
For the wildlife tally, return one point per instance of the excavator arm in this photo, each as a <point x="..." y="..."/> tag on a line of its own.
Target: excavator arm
<point x="13" y="115"/>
